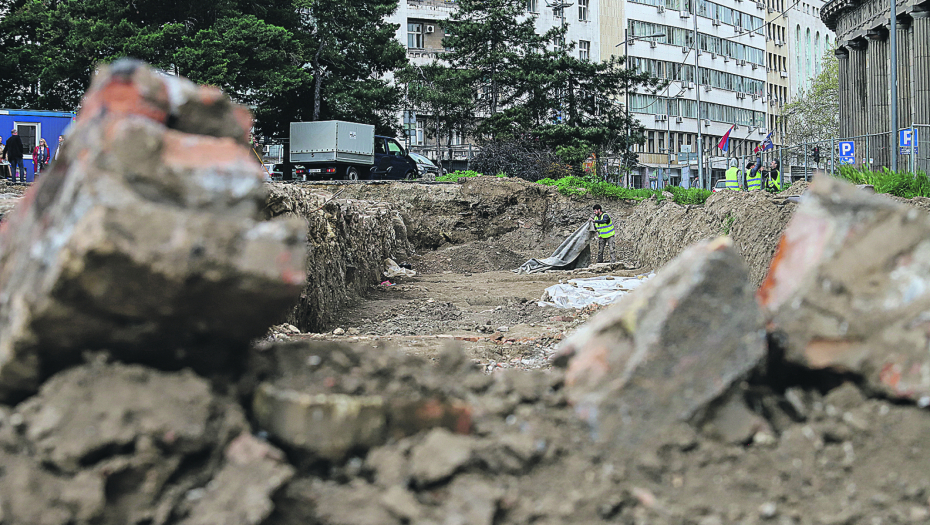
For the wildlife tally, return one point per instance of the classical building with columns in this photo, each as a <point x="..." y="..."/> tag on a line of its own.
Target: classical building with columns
<point x="863" y="49"/>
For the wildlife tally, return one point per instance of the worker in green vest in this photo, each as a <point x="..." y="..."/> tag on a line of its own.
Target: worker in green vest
<point x="605" y="233"/>
<point x="753" y="176"/>
<point x="775" y="177"/>
<point x="732" y="176"/>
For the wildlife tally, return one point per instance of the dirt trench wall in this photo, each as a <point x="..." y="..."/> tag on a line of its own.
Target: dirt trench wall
<point x="657" y="232"/>
<point x="348" y="241"/>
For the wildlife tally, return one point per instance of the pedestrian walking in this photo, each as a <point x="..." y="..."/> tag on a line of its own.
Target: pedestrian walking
<point x="13" y="152"/>
<point x="41" y="155"/>
<point x="61" y="142"/>
<point x="605" y="233"/>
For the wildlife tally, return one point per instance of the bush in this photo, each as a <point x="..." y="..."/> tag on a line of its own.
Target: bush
<point x="597" y="188"/>
<point x="519" y="158"/>
<point x="899" y="183"/>
<point x="456" y="175"/>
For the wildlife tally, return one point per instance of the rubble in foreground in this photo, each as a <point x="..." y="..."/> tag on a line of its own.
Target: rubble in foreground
<point x="681" y="404"/>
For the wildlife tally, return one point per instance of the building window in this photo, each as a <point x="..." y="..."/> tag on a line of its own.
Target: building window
<point x="415" y="36"/>
<point x="584" y="50"/>
<point x="651" y="141"/>
<point x="583" y="10"/>
<point x="29" y="134"/>
<point x="532" y="6"/>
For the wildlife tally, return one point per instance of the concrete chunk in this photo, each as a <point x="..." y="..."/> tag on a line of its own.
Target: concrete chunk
<point x="144" y="240"/>
<point x="849" y="288"/>
<point x="667" y="350"/>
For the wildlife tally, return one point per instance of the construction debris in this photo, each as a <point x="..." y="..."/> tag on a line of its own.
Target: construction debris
<point x="144" y="240"/>
<point x="849" y="288"/>
<point x="664" y="353"/>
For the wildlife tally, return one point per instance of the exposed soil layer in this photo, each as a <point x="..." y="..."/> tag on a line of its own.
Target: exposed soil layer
<point x="112" y="443"/>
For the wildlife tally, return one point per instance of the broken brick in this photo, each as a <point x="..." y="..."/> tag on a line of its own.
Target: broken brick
<point x="144" y="240"/>
<point x="849" y="288"/>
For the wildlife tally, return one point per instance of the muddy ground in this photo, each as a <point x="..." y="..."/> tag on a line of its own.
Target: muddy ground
<point x="466" y="336"/>
<point x="816" y="449"/>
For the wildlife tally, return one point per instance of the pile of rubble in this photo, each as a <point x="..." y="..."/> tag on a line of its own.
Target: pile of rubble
<point x="136" y="273"/>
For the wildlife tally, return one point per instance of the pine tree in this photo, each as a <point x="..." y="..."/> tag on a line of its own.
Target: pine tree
<point x="490" y="39"/>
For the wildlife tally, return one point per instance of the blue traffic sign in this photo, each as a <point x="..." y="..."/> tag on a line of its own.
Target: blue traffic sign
<point x="906" y="141"/>
<point x="847" y="152"/>
<point x="847" y="148"/>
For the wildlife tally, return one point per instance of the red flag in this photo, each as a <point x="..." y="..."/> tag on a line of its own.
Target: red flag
<point x="724" y="143"/>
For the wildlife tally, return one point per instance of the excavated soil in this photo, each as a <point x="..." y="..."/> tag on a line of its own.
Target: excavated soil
<point x="816" y="448"/>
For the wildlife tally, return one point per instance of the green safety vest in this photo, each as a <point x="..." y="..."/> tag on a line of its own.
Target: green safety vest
<point x="604" y="230"/>
<point x="732" y="179"/>
<point x="754" y="182"/>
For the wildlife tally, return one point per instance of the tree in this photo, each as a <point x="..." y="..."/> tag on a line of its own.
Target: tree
<point x="349" y="50"/>
<point x="443" y="95"/>
<point x="491" y="39"/>
<point x="814" y="115"/>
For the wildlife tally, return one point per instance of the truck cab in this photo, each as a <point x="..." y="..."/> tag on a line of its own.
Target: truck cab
<point x="391" y="160"/>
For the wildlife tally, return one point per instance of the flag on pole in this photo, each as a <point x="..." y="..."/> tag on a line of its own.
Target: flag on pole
<point x="766" y="144"/>
<point x="724" y="143"/>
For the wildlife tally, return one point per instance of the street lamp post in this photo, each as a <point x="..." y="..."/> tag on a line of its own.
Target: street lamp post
<point x="626" y="59"/>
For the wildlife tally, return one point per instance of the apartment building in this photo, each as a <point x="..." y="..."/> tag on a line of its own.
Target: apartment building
<point x="421" y="30"/>
<point x="730" y="83"/>
<point x="752" y="56"/>
<point x="776" y="65"/>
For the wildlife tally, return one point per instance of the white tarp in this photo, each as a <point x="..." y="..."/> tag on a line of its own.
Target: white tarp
<point x="579" y="293"/>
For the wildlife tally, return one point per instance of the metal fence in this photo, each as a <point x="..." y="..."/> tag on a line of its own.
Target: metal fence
<point x="874" y="151"/>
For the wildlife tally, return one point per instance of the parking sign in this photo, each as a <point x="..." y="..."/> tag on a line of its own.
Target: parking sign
<point x="847" y="152"/>
<point x="906" y="141"/>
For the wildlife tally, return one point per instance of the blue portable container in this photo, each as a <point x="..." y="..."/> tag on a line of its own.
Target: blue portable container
<point x="33" y="125"/>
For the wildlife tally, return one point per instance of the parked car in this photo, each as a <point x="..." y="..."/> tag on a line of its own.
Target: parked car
<point x="425" y="167"/>
<point x="720" y="186"/>
<point x="273" y="171"/>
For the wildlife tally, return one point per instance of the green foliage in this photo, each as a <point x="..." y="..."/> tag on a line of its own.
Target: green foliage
<point x="456" y="175"/>
<point x="573" y="185"/>
<point x="899" y="183"/>
<point x="270" y="55"/>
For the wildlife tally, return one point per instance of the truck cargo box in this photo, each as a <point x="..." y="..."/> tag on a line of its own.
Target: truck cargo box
<point x="332" y="141"/>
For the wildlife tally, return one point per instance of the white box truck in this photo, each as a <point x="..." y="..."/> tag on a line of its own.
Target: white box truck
<point x="333" y="149"/>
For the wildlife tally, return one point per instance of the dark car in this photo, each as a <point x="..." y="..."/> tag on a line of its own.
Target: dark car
<point x="425" y="167"/>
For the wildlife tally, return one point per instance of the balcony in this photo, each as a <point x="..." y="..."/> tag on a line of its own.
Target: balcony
<point x="427" y="52"/>
<point x="446" y="5"/>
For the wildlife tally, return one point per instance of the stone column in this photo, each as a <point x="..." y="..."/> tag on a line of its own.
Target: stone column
<point x="877" y="87"/>
<point x="903" y="62"/>
<point x="857" y="83"/>
<point x="921" y="31"/>
<point x="843" y="58"/>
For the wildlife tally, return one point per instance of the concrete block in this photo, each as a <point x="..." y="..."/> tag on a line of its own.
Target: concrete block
<point x="667" y="350"/>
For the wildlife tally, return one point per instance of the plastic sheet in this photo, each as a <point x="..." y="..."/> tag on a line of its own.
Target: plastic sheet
<point x="579" y="293"/>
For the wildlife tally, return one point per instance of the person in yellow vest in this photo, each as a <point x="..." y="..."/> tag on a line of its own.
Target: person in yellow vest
<point x="732" y="176"/>
<point x="775" y="177"/>
<point x="753" y="177"/>
<point x="605" y="233"/>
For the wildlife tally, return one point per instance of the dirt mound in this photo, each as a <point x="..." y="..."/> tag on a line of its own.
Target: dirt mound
<point x="659" y="231"/>
<point x="834" y="458"/>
